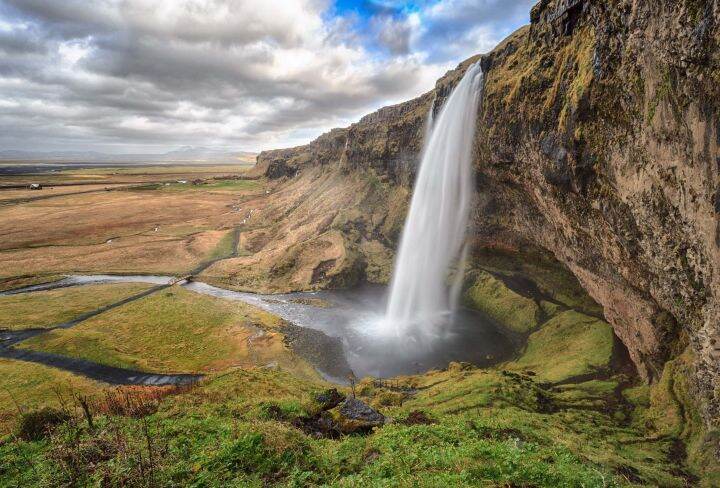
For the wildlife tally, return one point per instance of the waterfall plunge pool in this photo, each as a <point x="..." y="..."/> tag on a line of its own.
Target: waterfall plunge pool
<point x="355" y="316"/>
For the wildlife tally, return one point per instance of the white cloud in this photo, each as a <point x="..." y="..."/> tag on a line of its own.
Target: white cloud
<point x="250" y="74"/>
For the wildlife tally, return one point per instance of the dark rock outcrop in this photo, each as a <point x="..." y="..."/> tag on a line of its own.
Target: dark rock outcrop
<point x="329" y="399"/>
<point x="356" y="416"/>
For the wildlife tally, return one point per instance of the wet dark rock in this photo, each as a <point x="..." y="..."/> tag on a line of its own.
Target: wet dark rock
<point x="329" y="399"/>
<point x="320" y="426"/>
<point x="356" y="416"/>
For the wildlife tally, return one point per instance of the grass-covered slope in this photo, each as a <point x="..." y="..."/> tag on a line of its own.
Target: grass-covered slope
<point x="568" y="346"/>
<point x="461" y="427"/>
<point x="176" y="330"/>
<point x="26" y="386"/>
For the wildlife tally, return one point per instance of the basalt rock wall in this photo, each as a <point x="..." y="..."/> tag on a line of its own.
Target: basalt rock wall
<point x="597" y="140"/>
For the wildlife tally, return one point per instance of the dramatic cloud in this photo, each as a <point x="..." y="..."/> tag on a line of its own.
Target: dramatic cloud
<point x="129" y="75"/>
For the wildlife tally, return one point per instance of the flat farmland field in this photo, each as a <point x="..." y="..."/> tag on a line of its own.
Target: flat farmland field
<point x="167" y="220"/>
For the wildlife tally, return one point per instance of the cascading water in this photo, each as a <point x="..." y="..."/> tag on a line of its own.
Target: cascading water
<point x="420" y="301"/>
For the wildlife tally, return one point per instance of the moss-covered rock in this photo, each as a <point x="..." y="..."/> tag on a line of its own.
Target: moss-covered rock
<point x="512" y="310"/>
<point x="355" y="416"/>
<point x="568" y="346"/>
<point x="669" y="409"/>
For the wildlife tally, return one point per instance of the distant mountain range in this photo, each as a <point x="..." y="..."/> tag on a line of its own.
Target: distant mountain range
<point x="184" y="154"/>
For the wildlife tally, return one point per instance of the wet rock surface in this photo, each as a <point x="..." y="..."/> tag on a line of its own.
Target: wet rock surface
<point x="356" y="416"/>
<point x="329" y="399"/>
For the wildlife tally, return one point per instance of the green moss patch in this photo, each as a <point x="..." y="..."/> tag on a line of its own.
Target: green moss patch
<point x="552" y="278"/>
<point x="569" y="345"/>
<point x="514" y="311"/>
<point x="671" y="410"/>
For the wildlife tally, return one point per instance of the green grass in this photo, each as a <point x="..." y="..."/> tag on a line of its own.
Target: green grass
<point x="42" y="309"/>
<point x="30" y="386"/>
<point x="217" y="186"/>
<point x="175" y="330"/>
<point x="216" y="435"/>
<point x="569" y="345"/>
<point x="551" y="277"/>
<point x="514" y="311"/>
<point x="225" y="248"/>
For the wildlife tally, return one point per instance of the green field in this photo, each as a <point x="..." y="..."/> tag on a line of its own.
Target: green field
<point x="42" y="309"/>
<point x="177" y="331"/>
<point x="483" y="428"/>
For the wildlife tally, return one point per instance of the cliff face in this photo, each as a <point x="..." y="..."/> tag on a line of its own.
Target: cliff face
<point x="597" y="140"/>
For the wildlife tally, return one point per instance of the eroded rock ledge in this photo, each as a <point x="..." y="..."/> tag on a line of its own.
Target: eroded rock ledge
<point x="597" y="141"/>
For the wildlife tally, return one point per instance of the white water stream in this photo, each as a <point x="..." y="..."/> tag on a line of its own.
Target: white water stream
<point x="420" y="301"/>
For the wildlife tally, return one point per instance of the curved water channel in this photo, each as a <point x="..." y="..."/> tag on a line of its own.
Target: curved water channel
<point x="352" y="316"/>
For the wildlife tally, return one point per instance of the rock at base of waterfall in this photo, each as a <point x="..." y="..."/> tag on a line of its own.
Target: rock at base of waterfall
<point x="329" y="399"/>
<point x="355" y="416"/>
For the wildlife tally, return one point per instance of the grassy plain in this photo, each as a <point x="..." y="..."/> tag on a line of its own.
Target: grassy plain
<point x="144" y="227"/>
<point x="52" y="307"/>
<point x="176" y="330"/>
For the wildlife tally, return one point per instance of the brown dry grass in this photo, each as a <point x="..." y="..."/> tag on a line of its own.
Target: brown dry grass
<point x="136" y="254"/>
<point x="94" y="218"/>
<point x="151" y="231"/>
<point x="52" y="191"/>
<point x="297" y="237"/>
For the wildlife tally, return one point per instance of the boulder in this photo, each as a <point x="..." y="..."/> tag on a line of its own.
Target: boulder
<point x="356" y="416"/>
<point x="329" y="399"/>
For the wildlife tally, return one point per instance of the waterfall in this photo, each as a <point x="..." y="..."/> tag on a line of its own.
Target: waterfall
<point x="420" y="300"/>
<point x="430" y="120"/>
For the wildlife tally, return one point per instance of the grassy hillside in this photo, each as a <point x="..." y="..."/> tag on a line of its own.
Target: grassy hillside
<point x="460" y="427"/>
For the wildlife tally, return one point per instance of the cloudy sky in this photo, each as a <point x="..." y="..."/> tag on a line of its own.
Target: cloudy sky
<point x="149" y="75"/>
